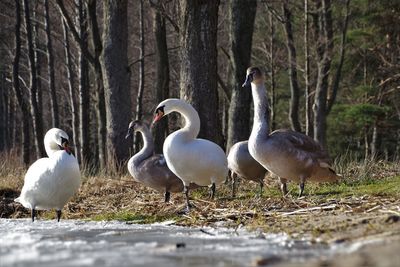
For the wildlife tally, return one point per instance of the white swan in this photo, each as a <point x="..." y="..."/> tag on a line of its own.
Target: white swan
<point x="149" y="169"/>
<point x="288" y="154"/>
<point x="192" y="159"/>
<point x="242" y="164"/>
<point x="51" y="182"/>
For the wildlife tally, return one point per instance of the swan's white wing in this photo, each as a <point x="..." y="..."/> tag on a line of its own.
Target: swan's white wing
<point x="50" y="182"/>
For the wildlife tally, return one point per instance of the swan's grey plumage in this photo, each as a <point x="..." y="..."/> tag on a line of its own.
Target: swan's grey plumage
<point x="288" y="154"/>
<point x="192" y="159"/>
<point x="151" y="169"/>
<point x="242" y="164"/>
<point x="51" y="182"/>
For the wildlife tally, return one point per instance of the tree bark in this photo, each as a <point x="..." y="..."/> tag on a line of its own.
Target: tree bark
<point x="71" y="89"/>
<point x="50" y="60"/>
<point x="198" y="74"/>
<point x="84" y="93"/>
<point x="307" y="92"/>
<point x="18" y="92"/>
<point x="116" y="78"/>
<point x="272" y="66"/>
<point x="139" y="98"/>
<point x="325" y="47"/>
<point x="162" y="77"/>
<point x="36" y="115"/>
<point x="242" y="17"/>
<point x="292" y="69"/>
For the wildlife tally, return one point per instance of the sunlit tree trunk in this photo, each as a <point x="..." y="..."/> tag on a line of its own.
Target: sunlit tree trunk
<point x="162" y="77"/>
<point x="242" y="17"/>
<point x="198" y="72"/>
<point x="50" y="60"/>
<point x="36" y="115"/>
<point x="18" y="91"/>
<point x="116" y="78"/>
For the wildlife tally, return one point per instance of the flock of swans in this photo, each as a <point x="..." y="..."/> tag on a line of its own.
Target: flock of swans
<point x="187" y="161"/>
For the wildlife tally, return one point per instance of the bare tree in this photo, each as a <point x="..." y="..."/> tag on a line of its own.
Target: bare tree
<point x="71" y="89"/>
<point x="242" y="17"/>
<point x="139" y="99"/>
<point x="50" y="60"/>
<point x="198" y="72"/>
<point x="307" y="91"/>
<point x="292" y="68"/>
<point x="36" y="115"/>
<point x="18" y="92"/>
<point x="116" y="77"/>
<point x="162" y="75"/>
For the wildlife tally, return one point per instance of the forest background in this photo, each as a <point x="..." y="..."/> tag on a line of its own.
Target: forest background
<point x="90" y="67"/>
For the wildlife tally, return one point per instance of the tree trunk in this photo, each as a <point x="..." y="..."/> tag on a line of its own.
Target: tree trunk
<point x="242" y="16"/>
<point x="307" y="92"/>
<point x="50" y="60"/>
<point x="272" y="66"/>
<point x="116" y="78"/>
<point x="198" y="74"/>
<point x="18" y="92"/>
<point x="162" y="77"/>
<point x="325" y="47"/>
<point x="36" y="115"/>
<point x="38" y="56"/>
<point x="84" y="93"/>
<point x="139" y="99"/>
<point x="71" y="89"/>
<point x="3" y="111"/>
<point x="292" y="69"/>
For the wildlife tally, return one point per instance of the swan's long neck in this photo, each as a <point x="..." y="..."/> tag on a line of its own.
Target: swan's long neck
<point x="192" y="119"/>
<point x="51" y="147"/>
<point x="261" y="112"/>
<point x="147" y="149"/>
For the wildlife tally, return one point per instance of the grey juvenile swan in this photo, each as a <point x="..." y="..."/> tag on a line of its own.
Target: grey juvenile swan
<point x="242" y="164"/>
<point x="149" y="169"/>
<point x="288" y="154"/>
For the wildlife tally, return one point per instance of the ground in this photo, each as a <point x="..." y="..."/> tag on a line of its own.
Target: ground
<point x="362" y="208"/>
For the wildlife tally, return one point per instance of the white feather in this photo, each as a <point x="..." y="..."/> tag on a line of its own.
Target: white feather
<point x="51" y="182"/>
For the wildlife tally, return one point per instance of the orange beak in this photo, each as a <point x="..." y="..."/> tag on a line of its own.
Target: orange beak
<point x="158" y="116"/>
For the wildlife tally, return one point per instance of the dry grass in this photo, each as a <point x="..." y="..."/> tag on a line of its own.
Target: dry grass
<point x="368" y="191"/>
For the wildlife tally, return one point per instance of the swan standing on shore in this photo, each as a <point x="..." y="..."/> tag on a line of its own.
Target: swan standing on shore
<point x="51" y="182"/>
<point x="288" y="154"/>
<point x="192" y="159"/>
<point x="242" y="164"/>
<point x="149" y="169"/>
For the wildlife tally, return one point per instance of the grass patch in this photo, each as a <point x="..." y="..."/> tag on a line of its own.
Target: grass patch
<point x="134" y="217"/>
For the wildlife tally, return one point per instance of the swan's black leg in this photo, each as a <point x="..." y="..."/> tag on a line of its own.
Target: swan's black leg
<point x="234" y="179"/>
<point x="58" y="215"/>
<point x="167" y="196"/>
<point x="301" y="189"/>
<point x="261" y="187"/>
<point x="186" y="192"/>
<point x="33" y="214"/>
<point x="284" y="189"/>
<point x="212" y="191"/>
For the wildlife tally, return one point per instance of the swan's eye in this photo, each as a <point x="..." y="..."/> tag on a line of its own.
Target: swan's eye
<point x="159" y="109"/>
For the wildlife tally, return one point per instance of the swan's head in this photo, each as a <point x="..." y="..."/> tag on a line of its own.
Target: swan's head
<point x="253" y="75"/>
<point x="135" y="126"/>
<point x="56" y="139"/>
<point x="167" y="106"/>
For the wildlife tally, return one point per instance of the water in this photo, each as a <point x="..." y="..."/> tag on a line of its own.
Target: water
<point x="80" y="243"/>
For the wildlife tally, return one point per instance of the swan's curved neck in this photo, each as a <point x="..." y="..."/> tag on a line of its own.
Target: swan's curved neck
<point x="261" y="112"/>
<point x="147" y="149"/>
<point x="192" y="119"/>
<point x="51" y="147"/>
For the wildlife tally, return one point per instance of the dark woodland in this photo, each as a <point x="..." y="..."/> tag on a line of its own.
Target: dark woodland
<point x="90" y="67"/>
